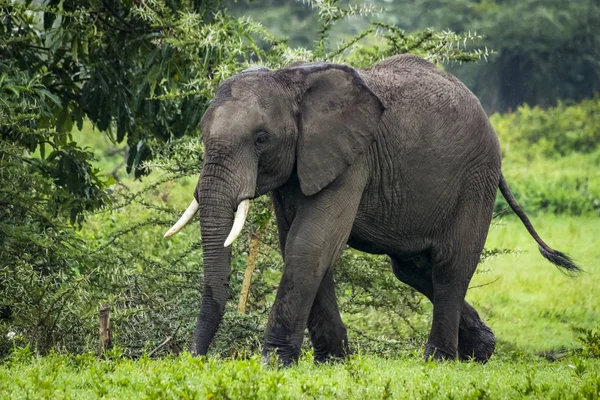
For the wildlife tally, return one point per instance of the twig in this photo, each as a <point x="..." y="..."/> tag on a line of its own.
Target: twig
<point x="167" y="340"/>
<point x="255" y="241"/>
<point x="485" y="284"/>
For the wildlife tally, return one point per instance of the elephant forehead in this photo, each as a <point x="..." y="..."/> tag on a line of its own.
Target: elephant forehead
<point x="234" y="118"/>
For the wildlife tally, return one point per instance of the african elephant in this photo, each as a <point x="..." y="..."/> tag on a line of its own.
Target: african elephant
<point x="397" y="159"/>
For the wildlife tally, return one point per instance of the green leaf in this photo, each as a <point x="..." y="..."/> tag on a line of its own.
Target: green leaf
<point x="74" y="48"/>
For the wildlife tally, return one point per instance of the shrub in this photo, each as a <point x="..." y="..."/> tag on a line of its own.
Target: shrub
<point x="554" y="132"/>
<point x="551" y="157"/>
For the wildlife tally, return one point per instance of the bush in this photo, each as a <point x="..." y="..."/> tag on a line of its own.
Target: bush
<point x="590" y="340"/>
<point x="553" y="133"/>
<point x="551" y="157"/>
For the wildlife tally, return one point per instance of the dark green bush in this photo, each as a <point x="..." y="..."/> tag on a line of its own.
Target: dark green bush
<point x="553" y="132"/>
<point x="590" y="340"/>
<point x="551" y="157"/>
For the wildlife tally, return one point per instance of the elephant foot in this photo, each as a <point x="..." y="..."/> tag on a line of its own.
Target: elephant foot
<point x="434" y="353"/>
<point x="275" y="358"/>
<point x="330" y="345"/>
<point x="281" y="347"/>
<point x="476" y="343"/>
<point x="331" y="354"/>
<point x="329" y="358"/>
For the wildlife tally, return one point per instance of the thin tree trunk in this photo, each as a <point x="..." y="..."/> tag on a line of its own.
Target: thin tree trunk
<point x="255" y="240"/>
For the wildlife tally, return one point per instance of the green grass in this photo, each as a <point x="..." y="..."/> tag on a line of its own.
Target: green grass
<point x="530" y="303"/>
<point x="361" y="377"/>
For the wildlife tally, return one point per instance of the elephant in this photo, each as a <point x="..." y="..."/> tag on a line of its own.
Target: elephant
<point x="397" y="159"/>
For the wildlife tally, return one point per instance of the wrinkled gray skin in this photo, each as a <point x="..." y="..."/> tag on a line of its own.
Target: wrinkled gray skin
<point x="398" y="159"/>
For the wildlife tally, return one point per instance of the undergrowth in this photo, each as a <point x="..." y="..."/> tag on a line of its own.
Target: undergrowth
<point x="360" y="377"/>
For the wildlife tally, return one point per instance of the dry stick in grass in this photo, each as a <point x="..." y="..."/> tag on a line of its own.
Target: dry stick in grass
<point x="255" y="240"/>
<point x="105" y="341"/>
<point x="164" y="342"/>
<point x="160" y="346"/>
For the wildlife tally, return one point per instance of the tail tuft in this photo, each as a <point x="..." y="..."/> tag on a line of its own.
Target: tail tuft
<point x="561" y="260"/>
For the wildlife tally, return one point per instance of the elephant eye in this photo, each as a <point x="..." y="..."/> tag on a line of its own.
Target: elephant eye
<point x="261" y="138"/>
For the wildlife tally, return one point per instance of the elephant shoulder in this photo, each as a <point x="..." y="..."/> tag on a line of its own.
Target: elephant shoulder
<point x="403" y="63"/>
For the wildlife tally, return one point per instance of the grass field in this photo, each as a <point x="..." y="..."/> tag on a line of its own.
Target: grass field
<point x="530" y="305"/>
<point x="362" y="377"/>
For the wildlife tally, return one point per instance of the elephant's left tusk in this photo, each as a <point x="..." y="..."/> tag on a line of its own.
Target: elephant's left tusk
<point x="185" y="218"/>
<point x="238" y="223"/>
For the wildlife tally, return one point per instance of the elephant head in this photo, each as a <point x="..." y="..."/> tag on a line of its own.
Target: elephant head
<point x="262" y="127"/>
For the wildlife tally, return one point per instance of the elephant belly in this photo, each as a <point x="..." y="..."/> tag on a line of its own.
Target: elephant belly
<point x="371" y="248"/>
<point x="386" y="237"/>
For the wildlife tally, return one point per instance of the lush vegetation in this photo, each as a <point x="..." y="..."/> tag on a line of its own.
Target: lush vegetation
<point x="100" y="152"/>
<point x="361" y="377"/>
<point x="551" y="157"/>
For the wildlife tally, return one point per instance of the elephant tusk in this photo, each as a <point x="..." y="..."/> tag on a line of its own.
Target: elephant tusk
<point x="238" y="223"/>
<point x="185" y="218"/>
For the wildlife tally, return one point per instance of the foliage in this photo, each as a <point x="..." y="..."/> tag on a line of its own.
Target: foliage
<point x="546" y="50"/>
<point x="551" y="157"/>
<point x="30" y="120"/>
<point x="45" y="265"/>
<point x="590" y="340"/>
<point x="137" y="70"/>
<point x="552" y="132"/>
<point x="48" y="183"/>
<point x="566" y="186"/>
<point x="361" y="377"/>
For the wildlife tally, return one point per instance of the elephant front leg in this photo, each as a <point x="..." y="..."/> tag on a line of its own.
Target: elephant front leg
<point x="316" y="238"/>
<point x="327" y="331"/>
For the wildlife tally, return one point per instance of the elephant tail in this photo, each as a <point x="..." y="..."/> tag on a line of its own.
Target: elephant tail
<point x="554" y="256"/>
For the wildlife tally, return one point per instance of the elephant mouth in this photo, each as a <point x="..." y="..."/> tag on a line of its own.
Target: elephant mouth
<point x="238" y="223"/>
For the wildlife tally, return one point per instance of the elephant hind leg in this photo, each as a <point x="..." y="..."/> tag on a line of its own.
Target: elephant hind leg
<point x="327" y="331"/>
<point x="475" y="339"/>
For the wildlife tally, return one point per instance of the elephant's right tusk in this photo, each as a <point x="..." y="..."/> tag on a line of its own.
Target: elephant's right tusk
<point x="238" y="223"/>
<point x="185" y="218"/>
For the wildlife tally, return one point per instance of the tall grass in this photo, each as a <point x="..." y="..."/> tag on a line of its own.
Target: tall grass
<point x="361" y="377"/>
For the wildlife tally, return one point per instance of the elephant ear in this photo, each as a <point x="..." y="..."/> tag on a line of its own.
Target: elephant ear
<point x="338" y="119"/>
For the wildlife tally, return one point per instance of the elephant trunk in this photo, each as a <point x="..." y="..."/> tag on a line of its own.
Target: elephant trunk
<point x="217" y="204"/>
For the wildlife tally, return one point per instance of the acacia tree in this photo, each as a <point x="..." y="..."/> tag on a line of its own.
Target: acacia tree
<point x="111" y="63"/>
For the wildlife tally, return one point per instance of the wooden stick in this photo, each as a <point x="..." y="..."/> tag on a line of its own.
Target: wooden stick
<point x="105" y="341"/>
<point x="167" y="340"/>
<point x="255" y="241"/>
